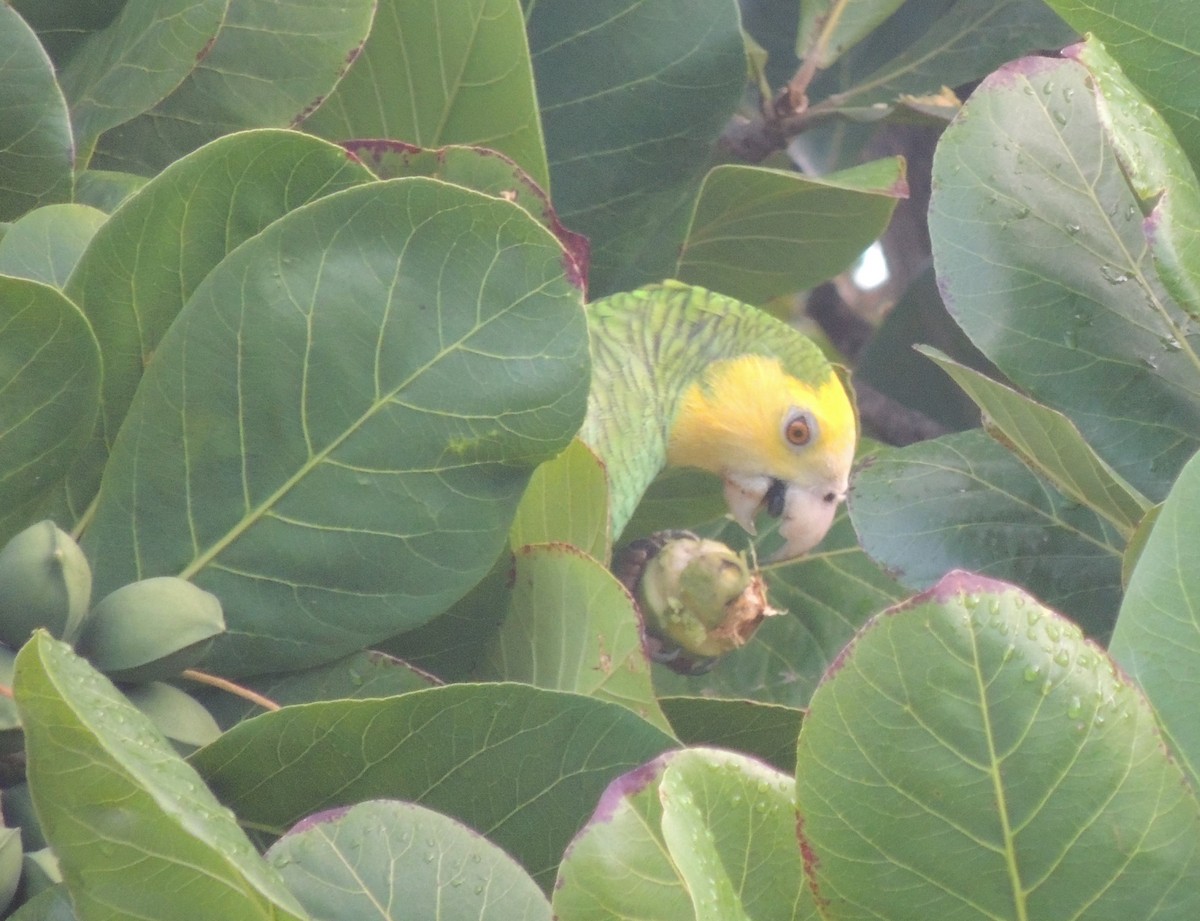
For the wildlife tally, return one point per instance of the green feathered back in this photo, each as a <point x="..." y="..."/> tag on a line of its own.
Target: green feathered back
<point x="647" y="346"/>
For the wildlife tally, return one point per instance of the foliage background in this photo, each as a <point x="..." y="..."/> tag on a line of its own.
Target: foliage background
<point x="294" y="348"/>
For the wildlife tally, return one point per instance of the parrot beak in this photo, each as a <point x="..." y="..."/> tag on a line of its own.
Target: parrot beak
<point x="805" y="513"/>
<point x="806" y="518"/>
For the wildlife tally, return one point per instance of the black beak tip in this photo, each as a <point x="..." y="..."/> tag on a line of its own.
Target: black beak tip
<point x="775" y="498"/>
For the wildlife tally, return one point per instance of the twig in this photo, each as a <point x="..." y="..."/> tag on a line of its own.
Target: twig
<point x="194" y="674"/>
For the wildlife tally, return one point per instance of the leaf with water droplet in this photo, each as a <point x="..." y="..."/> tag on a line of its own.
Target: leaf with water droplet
<point x="122" y="810"/>
<point x="354" y="861"/>
<point x="928" y="725"/>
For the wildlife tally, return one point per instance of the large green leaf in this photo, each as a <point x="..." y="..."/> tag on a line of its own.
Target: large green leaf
<point x="335" y="433"/>
<point x="566" y="502"/>
<point x="36" y="148"/>
<point x="50" y="365"/>
<point x="435" y="72"/>
<point x="126" y="68"/>
<point x="395" y="861"/>
<point x="266" y="68"/>
<point x="632" y="97"/>
<point x="829" y="28"/>
<point x="45" y="244"/>
<point x="63" y="24"/>
<point x="1157" y="45"/>
<point x="572" y="626"/>
<point x="931" y="44"/>
<point x="1050" y="445"/>
<point x="697" y="834"/>
<point x="758" y="233"/>
<point x="142" y="266"/>
<point x="972" y="756"/>
<point x="1157" y="637"/>
<point x="1158" y="172"/>
<point x="478" y="168"/>
<point x="1035" y="229"/>
<point x="766" y="731"/>
<point x="964" y="502"/>
<point x="891" y="365"/>
<point x="363" y="674"/>
<point x="131" y="824"/>
<point x="524" y="766"/>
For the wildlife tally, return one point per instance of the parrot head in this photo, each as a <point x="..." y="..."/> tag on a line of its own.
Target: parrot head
<point x="779" y="443"/>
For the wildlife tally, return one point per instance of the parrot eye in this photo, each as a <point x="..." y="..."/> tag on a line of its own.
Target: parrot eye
<point x="799" y="428"/>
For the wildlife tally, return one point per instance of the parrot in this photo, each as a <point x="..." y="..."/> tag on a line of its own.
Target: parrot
<point x="683" y="376"/>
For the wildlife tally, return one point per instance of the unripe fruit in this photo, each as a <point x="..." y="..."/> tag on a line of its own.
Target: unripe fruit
<point x="151" y="630"/>
<point x="699" y="600"/>
<point x="45" y="581"/>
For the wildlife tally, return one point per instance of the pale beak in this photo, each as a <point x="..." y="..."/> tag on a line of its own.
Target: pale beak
<point x="805" y="512"/>
<point x="745" y="495"/>
<point x="806" y="519"/>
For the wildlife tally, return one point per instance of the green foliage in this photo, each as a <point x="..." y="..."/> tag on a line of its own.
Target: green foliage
<point x="294" y="351"/>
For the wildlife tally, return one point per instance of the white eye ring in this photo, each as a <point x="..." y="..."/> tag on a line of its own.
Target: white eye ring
<point x="799" y="428"/>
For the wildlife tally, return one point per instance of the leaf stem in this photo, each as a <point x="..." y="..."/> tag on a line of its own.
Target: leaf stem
<point x="194" y="674"/>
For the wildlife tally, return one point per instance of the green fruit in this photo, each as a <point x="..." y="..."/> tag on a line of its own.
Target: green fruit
<point x="699" y="600"/>
<point x="151" y="630"/>
<point x="45" y="581"/>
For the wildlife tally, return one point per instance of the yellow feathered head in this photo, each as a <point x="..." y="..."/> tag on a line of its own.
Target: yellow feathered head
<point x="778" y="442"/>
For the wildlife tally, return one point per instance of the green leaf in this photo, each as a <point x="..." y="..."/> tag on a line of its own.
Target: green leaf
<point x="766" y="731"/>
<point x="45" y="244"/>
<point x="62" y="25"/>
<point x="395" y="861"/>
<point x="758" y="233"/>
<point x="1158" y="172"/>
<point x="1035" y="229"/>
<point x="964" y="502"/>
<point x="932" y="45"/>
<point x="51" y="395"/>
<point x="363" y="674"/>
<point x="695" y="834"/>
<point x="572" y="626"/>
<point x="520" y="765"/>
<point x="476" y="168"/>
<point x="829" y="28"/>
<point x="36" y="148"/>
<point x="128" y="67"/>
<point x="973" y="756"/>
<point x="656" y="82"/>
<point x="434" y="73"/>
<point x="1157" y="46"/>
<point x="129" y="821"/>
<point x="10" y="865"/>
<point x="1049" y="444"/>
<point x="341" y="428"/>
<point x="1157" y="637"/>
<point x="49" y="905"/>
<point x="145" y="262"/>
<point x="452" y="645"/>
<point x="566" y="502"/>
<point x="105" y="189"/>
<point x="261" y="71"/>
<point x="891" y="366"/>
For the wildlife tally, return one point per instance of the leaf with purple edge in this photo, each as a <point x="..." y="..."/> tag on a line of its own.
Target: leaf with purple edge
<point x="696" y="834"/>
<point x="483" y="170"/>
<point x="972" y="755"/>
<point x="1156" y="168"/>
<point x="392" y="860"/>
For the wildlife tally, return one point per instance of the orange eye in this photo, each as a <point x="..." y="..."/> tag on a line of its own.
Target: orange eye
<point x="798" y="430"/>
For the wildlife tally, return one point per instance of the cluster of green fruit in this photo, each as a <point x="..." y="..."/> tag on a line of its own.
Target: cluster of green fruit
<point x="148" y="630"/>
